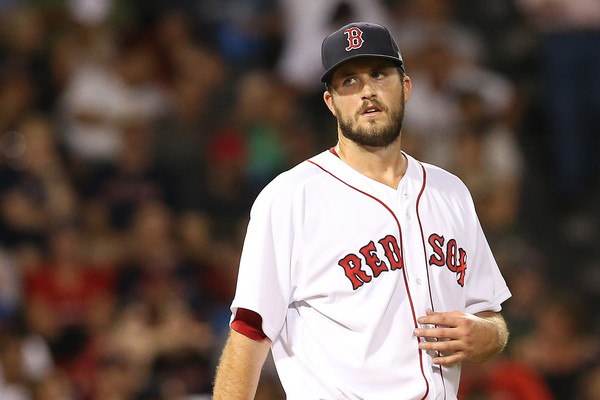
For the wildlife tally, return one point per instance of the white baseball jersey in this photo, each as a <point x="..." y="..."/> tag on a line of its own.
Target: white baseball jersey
<point x="340" y="267"/>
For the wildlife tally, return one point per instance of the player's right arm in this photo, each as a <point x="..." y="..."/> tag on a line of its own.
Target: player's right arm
<point x="239" y="367"/>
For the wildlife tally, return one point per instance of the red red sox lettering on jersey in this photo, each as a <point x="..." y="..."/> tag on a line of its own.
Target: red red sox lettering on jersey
<point x="451" y="256"/>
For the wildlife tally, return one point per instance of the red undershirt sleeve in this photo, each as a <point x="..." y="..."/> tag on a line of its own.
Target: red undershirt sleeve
<point x="249" y="324"/>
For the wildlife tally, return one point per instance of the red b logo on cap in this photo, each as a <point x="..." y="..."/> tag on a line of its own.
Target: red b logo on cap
<point x="355" y="39"/>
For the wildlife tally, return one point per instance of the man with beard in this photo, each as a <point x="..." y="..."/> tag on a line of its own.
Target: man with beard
<point x="365" y="271"/>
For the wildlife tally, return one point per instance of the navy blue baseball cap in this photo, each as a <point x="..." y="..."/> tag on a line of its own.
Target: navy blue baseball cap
<point x="358" y="39"/>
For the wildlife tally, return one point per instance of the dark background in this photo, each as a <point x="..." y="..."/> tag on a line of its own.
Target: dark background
<point x="134" y="136"/>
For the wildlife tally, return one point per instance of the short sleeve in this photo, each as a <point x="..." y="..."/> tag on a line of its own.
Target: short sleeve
<point x="264" y="277"/>
<point x="485" y="287"/>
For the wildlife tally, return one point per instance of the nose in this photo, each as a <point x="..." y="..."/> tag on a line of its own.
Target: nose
<point x="368" y="90"/>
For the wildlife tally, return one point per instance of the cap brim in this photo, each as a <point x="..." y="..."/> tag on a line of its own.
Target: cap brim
<point x="327" y="75"/>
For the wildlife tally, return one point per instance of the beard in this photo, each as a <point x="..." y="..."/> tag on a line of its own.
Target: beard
<point x="374" y="134"/>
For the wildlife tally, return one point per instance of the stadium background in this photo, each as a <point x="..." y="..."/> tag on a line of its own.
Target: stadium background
<point x="134" y="136"/>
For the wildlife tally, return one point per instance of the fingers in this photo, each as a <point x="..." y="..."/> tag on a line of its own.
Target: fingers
<point x="438" y="333"/>
<point x="451" y="359"/>
<point x="448" y="351"/>
<point x="455" y="336"/>
<point x="449" y="348"/>
<point x="435" y="318"/>
<point x="445" y="346"/>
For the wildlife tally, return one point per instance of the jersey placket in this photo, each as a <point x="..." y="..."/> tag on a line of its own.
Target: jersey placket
<point x="405" y="208"/>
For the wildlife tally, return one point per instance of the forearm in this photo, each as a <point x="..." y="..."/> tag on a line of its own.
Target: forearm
<point x="500" y="332"/>
<point x="239" y="367"/>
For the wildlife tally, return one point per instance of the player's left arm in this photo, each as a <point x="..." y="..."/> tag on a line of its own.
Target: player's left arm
<point x="462" y="336"/>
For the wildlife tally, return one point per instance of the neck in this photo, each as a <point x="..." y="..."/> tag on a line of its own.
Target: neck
<point x="386" y="165"/>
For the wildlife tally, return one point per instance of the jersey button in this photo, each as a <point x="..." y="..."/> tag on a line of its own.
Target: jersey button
<point x="419" y="281"/>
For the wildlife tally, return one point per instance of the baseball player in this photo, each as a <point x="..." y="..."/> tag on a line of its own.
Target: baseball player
<point x="365" y="271"/>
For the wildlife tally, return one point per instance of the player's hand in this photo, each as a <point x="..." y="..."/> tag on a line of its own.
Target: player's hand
<point x="460" y="336"/>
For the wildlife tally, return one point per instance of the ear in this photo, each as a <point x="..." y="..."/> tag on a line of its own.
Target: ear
<point x="407" y="88"/>
<point x="328" y="98"/>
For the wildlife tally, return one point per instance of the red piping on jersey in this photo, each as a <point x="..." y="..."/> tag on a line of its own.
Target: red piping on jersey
<point x="426" y="262"/>
<point x="412" y="307"/>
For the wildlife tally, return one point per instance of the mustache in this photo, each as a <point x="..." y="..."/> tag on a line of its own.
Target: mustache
<point x="370" y="103"/>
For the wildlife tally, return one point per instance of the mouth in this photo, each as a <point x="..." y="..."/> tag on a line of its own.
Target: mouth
<point x="371" y="110"/>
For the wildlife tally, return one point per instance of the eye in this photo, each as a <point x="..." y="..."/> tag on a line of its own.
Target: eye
<point x="378" y="74"/>
<point x="349" y="81"/>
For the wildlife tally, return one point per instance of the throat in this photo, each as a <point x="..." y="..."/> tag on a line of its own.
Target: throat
<point x="387" y="166"/>
<point x="388" y="178"/>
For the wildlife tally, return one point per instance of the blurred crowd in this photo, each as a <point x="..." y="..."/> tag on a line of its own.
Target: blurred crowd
<point x="134" y="136"/>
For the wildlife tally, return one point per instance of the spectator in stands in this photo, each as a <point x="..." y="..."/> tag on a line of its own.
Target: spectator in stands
<point x="25" y="360"/>
<point x="67" y="299"/>
<point x="133" y="179"/>
<point x="488" y="159"/>
<point x="570" y="39"/>
<point x="181" y="136"/>
<point x="102" y="97"/>
<point x="306" y="22"/>
<point x="35" y="188"/>
<point x="561" y="346"/>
